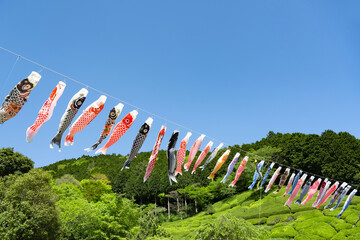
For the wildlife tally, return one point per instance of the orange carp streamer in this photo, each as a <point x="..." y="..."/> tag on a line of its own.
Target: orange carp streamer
<point x="85" y="118"/>
<point x="219" y="163"/>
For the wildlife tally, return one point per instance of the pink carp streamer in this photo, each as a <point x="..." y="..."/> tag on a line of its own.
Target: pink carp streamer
<point x="312" y="191"/>
<point x="239" y="171"/>
<point x="289" y="185"/>
<point x="193" y="151"/>
<point x="219" y="163"/>
<point x="119" y="130"/>
<point x="324" y="186"/>
<point x="273" y="178"/>
<point x="154" y="153"/>
<point x="203" y="154"/>
<point x="296" y="190"/>
<point x="330" y="191"/>
<point x="46" y="111"/>
<point x="181" y="153"/>
<point x="85" y="119"/>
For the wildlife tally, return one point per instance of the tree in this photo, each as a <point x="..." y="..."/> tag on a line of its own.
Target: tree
<point x="27" y="207"/>
<point x="94" y="189"/>
<point x="11" y="162"/>
<point x="67" y="178"/>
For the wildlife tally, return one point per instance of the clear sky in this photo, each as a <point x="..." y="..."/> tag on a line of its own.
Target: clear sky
<point x="233" y="70"/>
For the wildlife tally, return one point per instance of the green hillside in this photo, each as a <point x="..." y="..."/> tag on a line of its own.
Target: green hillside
<point x="276" y="220"/>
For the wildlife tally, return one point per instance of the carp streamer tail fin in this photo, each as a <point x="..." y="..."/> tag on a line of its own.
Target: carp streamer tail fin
<point x="178" y="172"/>
<point x="211" y="176"/>
<point x="126" y="164"/>
<point x="93" y="147"/>
<point x="30" y="134"/>
<point x="202" y="167"/>
<point x="69" y="140"/>
<point x="172" y="177"/>
<point x="101" y="150"/>
<point x="57" y="141"/>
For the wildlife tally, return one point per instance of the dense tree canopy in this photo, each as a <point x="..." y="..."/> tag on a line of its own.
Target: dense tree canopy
<point x="27" y="207"/>
<point x="11" y="162"/>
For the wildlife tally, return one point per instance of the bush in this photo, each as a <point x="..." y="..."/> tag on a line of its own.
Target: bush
<point x="227" y="226"/>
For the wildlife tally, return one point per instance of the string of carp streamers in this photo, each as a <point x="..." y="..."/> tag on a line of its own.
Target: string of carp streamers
<point x="19" y="95"/>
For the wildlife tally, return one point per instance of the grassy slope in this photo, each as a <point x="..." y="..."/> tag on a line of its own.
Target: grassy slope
<point x="302" y="222"/>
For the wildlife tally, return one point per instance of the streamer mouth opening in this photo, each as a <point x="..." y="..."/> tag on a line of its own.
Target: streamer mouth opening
<point x="149" y="121"/>
<point x="119" y="108"/>
<point x="34" y="77"/>
<point x="134" y="113"/>
<point x="83" y="92"/>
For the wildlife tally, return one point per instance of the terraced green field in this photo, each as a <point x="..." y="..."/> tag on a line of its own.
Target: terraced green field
<point x="275" y="220"/>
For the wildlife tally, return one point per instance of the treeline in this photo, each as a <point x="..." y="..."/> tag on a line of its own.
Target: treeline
<point x="333" y="155"/>
<point x="130" y="181"/>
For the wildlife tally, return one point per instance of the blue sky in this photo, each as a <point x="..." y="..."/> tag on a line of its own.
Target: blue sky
<point x="233" y="70"/>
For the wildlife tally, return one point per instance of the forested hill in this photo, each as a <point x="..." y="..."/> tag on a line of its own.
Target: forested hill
<point x="334" y="155"/>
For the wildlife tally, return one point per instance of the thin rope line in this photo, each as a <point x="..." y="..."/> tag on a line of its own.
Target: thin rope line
<point x="143" y="110"/>
<point x="99" y="91"/>
<point x="9" y="74"/>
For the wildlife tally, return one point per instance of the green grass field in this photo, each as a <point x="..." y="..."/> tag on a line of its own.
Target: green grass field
<point x="275" y="220"/>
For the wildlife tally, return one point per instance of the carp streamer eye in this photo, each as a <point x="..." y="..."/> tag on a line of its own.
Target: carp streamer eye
<point x="127" y="121"/>
<point x="24" y="86"/>
<point x="145" y="130"/>
<point x="78" y="103"/>
<point x="112" y="114"/>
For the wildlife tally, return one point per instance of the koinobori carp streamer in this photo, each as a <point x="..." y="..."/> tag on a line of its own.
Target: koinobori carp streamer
<point x="323" y="192"/>
<point x="256" y="174"/>
<point x="113" y="115"/>
<point x="212" y="156"/>
<point x="330" y="191"/>
<point x="181" y="153"/>
<point x="219" y="163"/>
<point x="119" y="130"/>
<point x="296" y="190"/>
<point x="138" y="141"/>
<point x="266" y="175"/>
<point x="73" y="107"/>
<point x="85" y="118"/>
<point x="18" y="96"/>
<point x="272" y="180"/>
<point x="193" y="151"/>
<point x="341" y="197"/>
<point x="154" y="153"/>
<point x="312" y="190"/>
<point x="288" y="186"/>
<point x="347" y="202"/>
<point x="304" y="190"/>
<point x="170" y="152"/>
<point x="297" y="177"/>
<point x="239" y="171"/>
<point x="336" y="195"/>
<point x="322" y="187"/>
<point x="231" y="167"/>
<point x="46" y="111"/>
<point x="283" y="178"/>
<point x="202" y="155"/>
